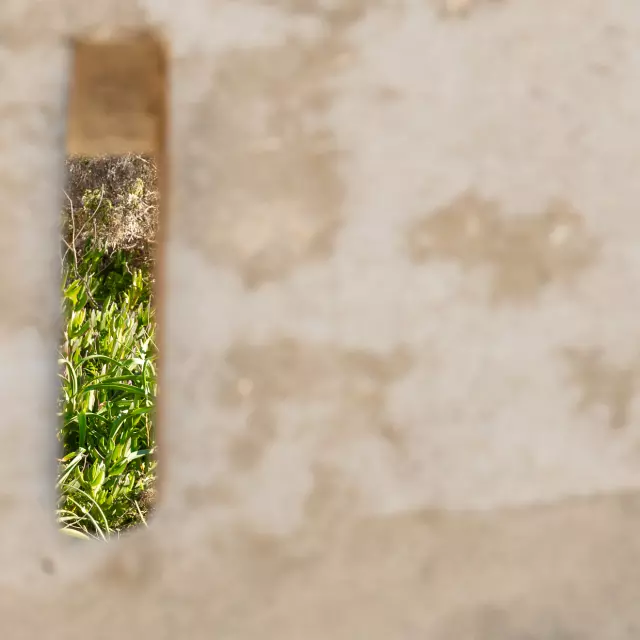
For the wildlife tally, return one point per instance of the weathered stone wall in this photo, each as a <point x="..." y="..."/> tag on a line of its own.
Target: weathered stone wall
<point x="400" y="331"/>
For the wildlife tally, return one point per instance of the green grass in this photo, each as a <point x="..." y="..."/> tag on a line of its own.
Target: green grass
<point x="108" y="379"/>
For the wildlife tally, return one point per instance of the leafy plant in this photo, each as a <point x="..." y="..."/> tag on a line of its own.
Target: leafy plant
<point x="108" y="374"/>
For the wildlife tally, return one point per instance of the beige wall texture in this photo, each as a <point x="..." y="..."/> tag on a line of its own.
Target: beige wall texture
<point x="401" y="326"/>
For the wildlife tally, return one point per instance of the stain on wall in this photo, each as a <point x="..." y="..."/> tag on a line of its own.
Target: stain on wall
<point x="462" y="8"/>
<point x="335" y="14"/>
<point x="278" y="192"/>
<point x="601" y="383"/>
<point x="523" y="253"/>
<point x="342" y="392"/>
<point x="219" y="494"/>
<point x="494" y="623"/>
<point x="274" y="161"/>
<point x="132" y="565"/>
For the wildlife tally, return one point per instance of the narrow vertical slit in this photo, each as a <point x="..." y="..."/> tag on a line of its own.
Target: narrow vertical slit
<point x="110" y="252"/>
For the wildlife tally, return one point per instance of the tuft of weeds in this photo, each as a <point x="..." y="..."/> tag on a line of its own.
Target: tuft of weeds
<point x="108" y="379"/>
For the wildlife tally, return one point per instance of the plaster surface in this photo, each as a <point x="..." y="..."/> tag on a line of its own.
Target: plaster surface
<point x="400" y="343"/>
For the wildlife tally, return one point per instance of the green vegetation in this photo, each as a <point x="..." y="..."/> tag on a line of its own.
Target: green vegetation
<point x="107" y="358"/>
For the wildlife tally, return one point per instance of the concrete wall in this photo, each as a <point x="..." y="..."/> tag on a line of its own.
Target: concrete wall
<point x="401" y="353"/>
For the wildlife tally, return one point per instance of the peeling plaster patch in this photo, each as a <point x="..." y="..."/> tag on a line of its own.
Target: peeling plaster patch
<point x="524" y="253"/>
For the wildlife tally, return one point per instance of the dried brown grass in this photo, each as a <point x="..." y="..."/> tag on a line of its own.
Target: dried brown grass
<point x="121" y="213"/>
